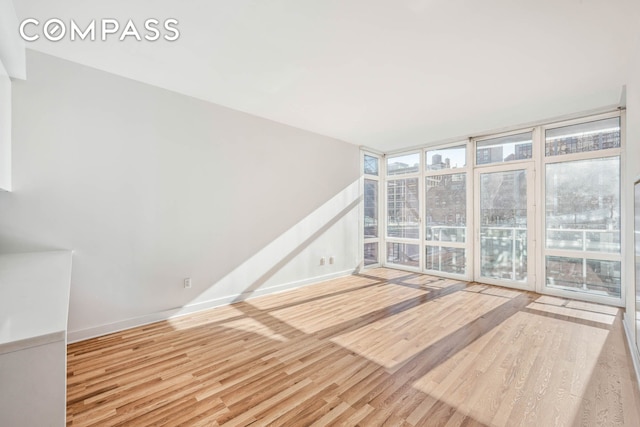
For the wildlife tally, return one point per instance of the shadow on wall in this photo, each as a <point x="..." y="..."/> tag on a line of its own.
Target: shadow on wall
<point x="290" y="260"/>
<point x="249" y="278"/>
<point x="257" y="284"/>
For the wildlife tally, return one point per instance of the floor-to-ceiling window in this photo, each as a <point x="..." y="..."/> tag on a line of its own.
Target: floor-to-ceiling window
<point x="371" y="209"/>
<point x="536" y="208"/>
<point x="582" y="207"/>
<point x="403" y="210"/>
<point x="446" y="233"/>
<point x="504" y="205"/>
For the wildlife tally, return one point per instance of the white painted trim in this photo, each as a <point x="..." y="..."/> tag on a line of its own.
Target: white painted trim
<point x="635" y="354"/>
<point x="378" y="179"/>
<point x="467" y="244"/>
<point x="30" y="342"/>
<point x="567" y="158"/>
<point x="529" y="167"/>
<point x="422" y="191"/>
<point x="513" y="132"/>
<point x="446" y="244"/>
<point x="361" y="175"/>
<point x="97" y="331"/>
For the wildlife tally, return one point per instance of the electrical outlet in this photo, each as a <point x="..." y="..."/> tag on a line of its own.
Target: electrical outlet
<point x="187" y="283"/>
<point x="331" y="260"/>
<point x="322" y="261"/>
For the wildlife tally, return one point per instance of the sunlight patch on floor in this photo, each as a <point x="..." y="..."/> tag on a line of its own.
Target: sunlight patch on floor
<point x="207" y="317"/>
<point x="493" y="290"/>
<point x="316" y="315"/>
<point x="605" y="319"/>
<point x="596" y="308"/>
<point x="395" y="339"/>
<point x="492" y="378"/>
<point x="255" y="327"/>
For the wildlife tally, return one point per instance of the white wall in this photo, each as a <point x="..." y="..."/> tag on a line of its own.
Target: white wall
<point x="148" y="187"/>
<point x="12" y="47"/>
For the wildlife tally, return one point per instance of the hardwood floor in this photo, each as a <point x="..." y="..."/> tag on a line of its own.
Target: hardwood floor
<point x="384" y="347"/>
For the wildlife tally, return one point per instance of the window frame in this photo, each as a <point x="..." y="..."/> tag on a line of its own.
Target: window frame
<point x="482" y="138"/>
<point x="380" y="182"/>
<point x="543" y="252"/>
<point x="419" y="174"/>
<point x="467" y="245"/>
<point x="539" y="161"/>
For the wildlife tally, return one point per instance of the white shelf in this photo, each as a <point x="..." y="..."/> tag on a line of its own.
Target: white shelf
<point x="34" y="299"/>
<point x="34" y="306"/>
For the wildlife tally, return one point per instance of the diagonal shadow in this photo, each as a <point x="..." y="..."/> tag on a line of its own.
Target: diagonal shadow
<point x="378" y="391"/>
<point x="380" y="281"/>
<point x="391" y="310"/>
<point x="448" y="346"/>
<point x="296" y="251"/>
<point x="401" y="280"/>
<point x="424" y="361"/>
<point x="568" y="318"/>
<point x="266" y="318"/>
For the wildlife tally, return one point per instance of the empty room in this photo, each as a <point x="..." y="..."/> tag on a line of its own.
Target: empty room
<point x="297" y="213"/>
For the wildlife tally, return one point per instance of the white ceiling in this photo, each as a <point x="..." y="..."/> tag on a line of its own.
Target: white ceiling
<point x="382" y="73"/>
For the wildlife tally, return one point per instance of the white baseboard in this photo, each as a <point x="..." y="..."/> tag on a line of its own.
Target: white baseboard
<point x="632" y="347"/>
<point x="97" y="331"/>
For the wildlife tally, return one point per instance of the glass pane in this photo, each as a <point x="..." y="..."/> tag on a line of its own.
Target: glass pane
<point x="583" y="205"/>
<point x="370" y="165"/>
<point x="563" y="239"/>
<point x="403" y="254"/>
<point x="370" y="253"/>
<point x="503" y="225"/>
<point x="590" y="136"/>
<point x="370" y="208"/>
<point x="564" y="272"/>
<point x="584" y="275"/>
<point x="448" y="260"/>
<point x="446" y="207"/>
<point x="505" y="149"/>
<point x="637" y="260"/>
<point x="583" y="240"/>
<point x="447" y="158"/>
<point x="408" y="163"/>
<point x="602" y="241"/>
<point x="403" y="218"/>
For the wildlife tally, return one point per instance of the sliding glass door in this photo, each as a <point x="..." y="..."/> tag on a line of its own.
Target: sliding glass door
<point x="504" y="200"/>
<point x="505" y="226"/>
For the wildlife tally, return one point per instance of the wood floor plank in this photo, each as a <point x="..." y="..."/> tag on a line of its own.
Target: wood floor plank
<point x="384" y="347"/>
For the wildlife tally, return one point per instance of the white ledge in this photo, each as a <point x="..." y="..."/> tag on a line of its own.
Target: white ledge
<point x="34" y="299"/>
